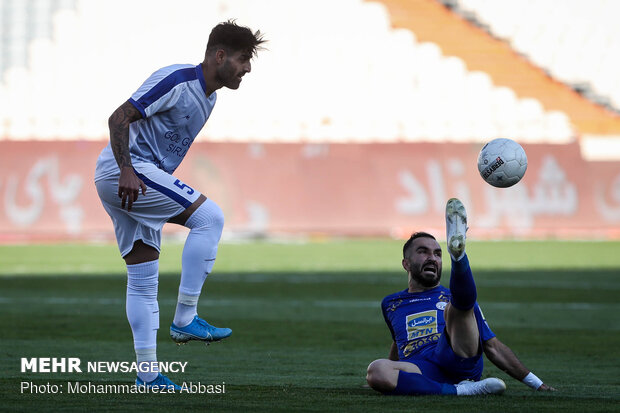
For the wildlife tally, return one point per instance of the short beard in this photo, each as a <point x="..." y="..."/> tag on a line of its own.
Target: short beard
<point x="224" y="75"/>
<point x="426" y="282"/>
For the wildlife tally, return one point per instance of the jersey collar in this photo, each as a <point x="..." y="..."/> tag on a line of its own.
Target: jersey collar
<point x="201" y="78"/>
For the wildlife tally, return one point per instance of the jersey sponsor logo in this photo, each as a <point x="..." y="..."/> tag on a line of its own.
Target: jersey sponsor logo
<point x="415" y="300"/>
<point x="441" y="305"/>
<point x="416" y="344"/>
<point x="421" y="324"/>
<point x="420" y="321"/>
<point x="172" y="136"/>
<point x="180" y="145"/>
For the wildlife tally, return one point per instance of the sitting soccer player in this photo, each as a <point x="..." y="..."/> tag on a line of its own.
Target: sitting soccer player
<point x="439" y="334"/>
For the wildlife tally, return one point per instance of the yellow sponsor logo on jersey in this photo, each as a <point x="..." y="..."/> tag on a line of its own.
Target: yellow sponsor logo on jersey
<point x="421" y="324"/>
<point x="416" y="344"/>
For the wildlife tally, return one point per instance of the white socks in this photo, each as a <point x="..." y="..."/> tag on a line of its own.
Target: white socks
<point x="206" y="224"/>
<point x="143" y="311"/>
<point x="147" y="369"/>
<point x="186" y="309"/>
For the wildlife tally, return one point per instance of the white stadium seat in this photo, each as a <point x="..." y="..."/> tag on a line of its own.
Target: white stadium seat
<point x="577" y="41"/>
<point x="333" y="72"/>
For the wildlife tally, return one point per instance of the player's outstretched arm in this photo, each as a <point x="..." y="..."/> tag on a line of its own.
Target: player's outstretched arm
<point x="128" y="184"/>
<point x="504" y="358"/>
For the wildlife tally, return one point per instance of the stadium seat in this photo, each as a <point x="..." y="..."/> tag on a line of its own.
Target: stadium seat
<point x="356" y="79"/>
<point x="571" y="46"/>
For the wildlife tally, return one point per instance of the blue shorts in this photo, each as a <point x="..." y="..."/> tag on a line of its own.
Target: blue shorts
<point x="444" y="366"/>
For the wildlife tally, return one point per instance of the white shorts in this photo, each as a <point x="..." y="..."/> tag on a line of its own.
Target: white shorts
<point x="166" y="197"/>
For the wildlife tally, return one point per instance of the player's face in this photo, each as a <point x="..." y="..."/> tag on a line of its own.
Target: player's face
<point x="233" y="68"/>
<point x="423" y="262"/>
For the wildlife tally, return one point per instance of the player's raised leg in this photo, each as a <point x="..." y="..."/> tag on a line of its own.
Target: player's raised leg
<point x="461" y="324"/>
<point x="206" y="221"/>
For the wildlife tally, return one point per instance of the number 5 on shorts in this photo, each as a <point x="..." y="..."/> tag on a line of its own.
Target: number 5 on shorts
<point x="183" y="186"/>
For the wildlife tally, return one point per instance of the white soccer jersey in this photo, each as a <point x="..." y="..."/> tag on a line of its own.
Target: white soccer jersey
<point x="174" y="108"/>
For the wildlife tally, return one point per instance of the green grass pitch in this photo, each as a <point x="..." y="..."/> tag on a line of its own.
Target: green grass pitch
<point x="306" y="322"/>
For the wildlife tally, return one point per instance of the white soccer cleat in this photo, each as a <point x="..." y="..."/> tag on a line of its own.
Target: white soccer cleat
<point x="456" y="227"/>
<point x="475" y="388"/>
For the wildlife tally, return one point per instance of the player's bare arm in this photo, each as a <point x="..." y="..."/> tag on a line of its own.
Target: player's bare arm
<point x="129" y="184"/>
<point x="505" y="359"/>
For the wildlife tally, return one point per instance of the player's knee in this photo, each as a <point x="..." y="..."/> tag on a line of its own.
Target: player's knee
<point x="371" y="373"/>
<point x="377" y="377"/>
<point x="208" y="216"/>
<point x="218" y="217"/>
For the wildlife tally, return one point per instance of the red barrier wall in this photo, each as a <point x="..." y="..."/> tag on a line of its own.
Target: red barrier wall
<point x="47" y="191"/>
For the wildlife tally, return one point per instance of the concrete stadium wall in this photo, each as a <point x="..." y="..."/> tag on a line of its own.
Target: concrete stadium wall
<point x="47" y="191"/>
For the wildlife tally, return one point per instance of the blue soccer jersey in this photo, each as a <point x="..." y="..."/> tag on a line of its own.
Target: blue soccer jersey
<point x="174" y="108"/>
<point x="416" y="321"/>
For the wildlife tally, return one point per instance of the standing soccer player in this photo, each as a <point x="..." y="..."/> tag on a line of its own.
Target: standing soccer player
<point x="439" y="334"/>
<point x="149" y="136"/>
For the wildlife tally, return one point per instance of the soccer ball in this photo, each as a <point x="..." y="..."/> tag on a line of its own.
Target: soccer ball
<point x="502" y="162"/>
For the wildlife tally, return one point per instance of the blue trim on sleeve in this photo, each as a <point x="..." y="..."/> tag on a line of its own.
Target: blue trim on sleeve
<point x="137" y="106"/>
<point x="166" y="85"/>
<point x="201" y="78"/>
<point x="166" y="191"/>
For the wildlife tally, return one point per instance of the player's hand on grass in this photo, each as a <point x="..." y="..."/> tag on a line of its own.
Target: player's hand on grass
<point x="129" y="186"/>
<point x="544" y="387"/>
